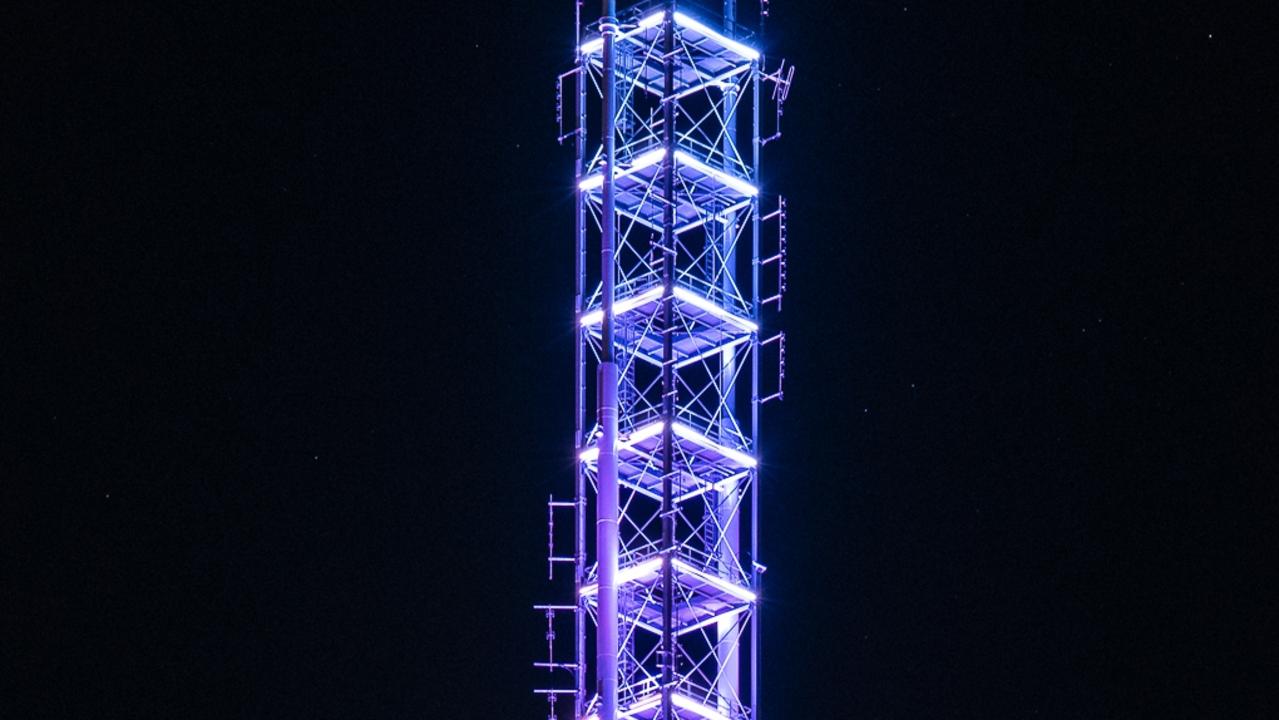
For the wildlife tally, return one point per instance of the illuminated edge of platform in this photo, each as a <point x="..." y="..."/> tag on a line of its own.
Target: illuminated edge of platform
<point x="592" y="454"/>
<point x="625" y="305"/>
<point x="653" y="565"/>
<point x="683" y="702"/>
<point x="653" y="157"/>
<point x="652" y="20"/>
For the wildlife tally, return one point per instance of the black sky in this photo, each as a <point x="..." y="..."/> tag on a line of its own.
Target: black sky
<point x="287" y="373"/>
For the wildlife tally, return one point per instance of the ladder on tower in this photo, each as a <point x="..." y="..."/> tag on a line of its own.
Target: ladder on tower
<point x="554" y="665"/>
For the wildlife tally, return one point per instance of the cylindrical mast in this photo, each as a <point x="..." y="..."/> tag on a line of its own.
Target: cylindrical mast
<point x="668" y="360"/>
<point x="606" y="525"/>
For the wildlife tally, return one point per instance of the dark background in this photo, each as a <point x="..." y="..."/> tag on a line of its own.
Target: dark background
<point x="287" y="373"/>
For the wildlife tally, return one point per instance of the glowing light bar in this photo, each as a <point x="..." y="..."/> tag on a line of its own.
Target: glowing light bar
<point x="685" y="21"/>
<point x="652" y="157"/>
<point x="622" y="306"/>
<point x="740" y="593"/>
<point x="593" y="453"/>
<point x="628" y="574"/>
<point x="645" y="432"/>
<point x="643" y="705"/>
<point x="740" y="186"/>
<point x="689" y="433"/>
<point x="594" y="45"/>
<point x="702" y="303"/>
<point x="708" y="621"/>
<point x="627" y="304"/>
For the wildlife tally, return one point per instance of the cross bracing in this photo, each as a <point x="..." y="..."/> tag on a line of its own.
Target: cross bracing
<point x="670" y="329"/>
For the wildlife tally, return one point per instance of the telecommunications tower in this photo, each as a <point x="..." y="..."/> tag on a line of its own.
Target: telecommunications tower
<point x="680" y="268"/>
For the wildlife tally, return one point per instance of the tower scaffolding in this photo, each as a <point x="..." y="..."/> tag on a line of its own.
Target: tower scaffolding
<point x="672" y="295"/>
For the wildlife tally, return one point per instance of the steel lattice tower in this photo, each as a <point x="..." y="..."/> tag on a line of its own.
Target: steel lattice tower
<point x="678" y="256"/>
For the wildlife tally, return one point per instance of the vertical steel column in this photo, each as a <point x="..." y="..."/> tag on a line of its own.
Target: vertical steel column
<point x="606" y="520"/>
<point x="757" y="611"/>
<point x="668" y="360"/>
<point x="726" y="656"/>
<point x="579" y="377"/>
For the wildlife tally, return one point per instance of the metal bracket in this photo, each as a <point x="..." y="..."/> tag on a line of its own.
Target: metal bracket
<point x="782" y="78"/>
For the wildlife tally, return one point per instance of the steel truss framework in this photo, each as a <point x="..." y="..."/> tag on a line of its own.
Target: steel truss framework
<point x="672" y="329"/>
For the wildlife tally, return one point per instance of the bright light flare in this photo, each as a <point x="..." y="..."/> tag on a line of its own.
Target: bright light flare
<point x="622" y="306"/>
<point x="641" y="161"/>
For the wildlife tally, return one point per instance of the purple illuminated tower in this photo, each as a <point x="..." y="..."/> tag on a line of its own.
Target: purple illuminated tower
<point x="679" y="254"/>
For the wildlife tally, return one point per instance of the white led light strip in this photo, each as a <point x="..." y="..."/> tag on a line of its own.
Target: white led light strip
<point x="702" y="303"/>
<point x="627" y="574"/>
<point x="622" y="306"/>
<point x="693" y="706"/>
<point x="625" y="305"/>
<point x="689" y="433"/>
<point x="740" y="186"/>
<point x="738" y="592"/>
<point x="652" y="157"/>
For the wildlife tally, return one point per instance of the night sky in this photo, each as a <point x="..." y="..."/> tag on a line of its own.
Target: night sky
<point x="287" y="363"/>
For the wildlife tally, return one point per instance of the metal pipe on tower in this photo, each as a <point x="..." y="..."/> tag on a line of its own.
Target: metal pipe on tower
<point x="606" y="519"/>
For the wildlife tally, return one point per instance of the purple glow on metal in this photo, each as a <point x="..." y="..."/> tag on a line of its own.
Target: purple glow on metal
<point x="653" y="157"/>
<point x="681" y="701"/>
<point x="729" y="615"/>
<point x="691" y="705"/>
<point x="622" y="306"/>
<point x="702" y="303"/>
<point x="736" y="591"/>
<point x="641" y="161"/>
<point x="688" y="296"/>
<point x="629" y="574"/>
<point x="713" y="351"/>
<point x="689" y="433"/>
<point x="592" y="454"/>
<point x="650" y="567"/>
<point x="674" y="337"/>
